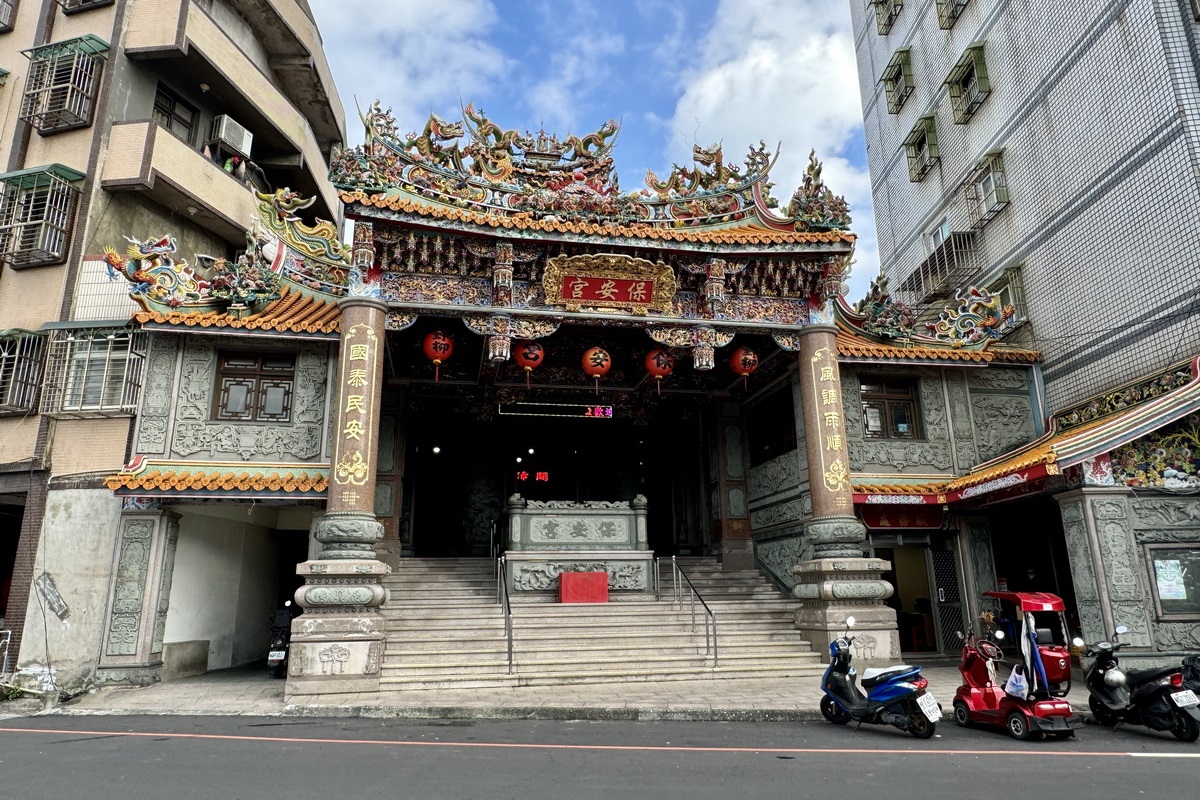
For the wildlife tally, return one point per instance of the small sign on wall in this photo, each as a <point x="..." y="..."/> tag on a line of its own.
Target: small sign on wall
<point x="49" y="592"/>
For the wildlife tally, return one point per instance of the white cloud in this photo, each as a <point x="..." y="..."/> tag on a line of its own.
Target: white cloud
<point x="575" y="69"/>
<point x="781" y="71"/>
<point x="418" y="58"/>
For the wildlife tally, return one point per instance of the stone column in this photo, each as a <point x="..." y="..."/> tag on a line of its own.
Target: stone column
<point x="337" y="644"/>
<point x="137" y="608"/>
<point x="838" y="582"/>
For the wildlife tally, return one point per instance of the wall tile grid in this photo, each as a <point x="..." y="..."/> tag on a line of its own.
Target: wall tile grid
<point x="1093" y="144"/>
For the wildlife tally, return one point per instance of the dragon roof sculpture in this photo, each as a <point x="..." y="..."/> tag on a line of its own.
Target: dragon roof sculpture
<point x="477" y="167"/>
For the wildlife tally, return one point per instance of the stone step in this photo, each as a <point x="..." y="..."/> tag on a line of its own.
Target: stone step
<point x="529" y="664"/>
<point x="526" y="653"/>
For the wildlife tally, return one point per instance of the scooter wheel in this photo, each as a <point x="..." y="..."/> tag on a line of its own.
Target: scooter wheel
<point x="1184" y="726"/>
<point x="962" y="714"/>
<point x="921" y="726"/>
<point x="1017" y="725"/>
<point x="1103" y="715"/>
<point x="833" y="712"/>
<point x="279" y="670"/>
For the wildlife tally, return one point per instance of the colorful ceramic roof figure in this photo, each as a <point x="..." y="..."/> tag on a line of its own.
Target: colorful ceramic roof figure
<point x="475" y="173"/>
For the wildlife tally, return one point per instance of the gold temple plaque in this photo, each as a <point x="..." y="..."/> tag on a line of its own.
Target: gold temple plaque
<point x="608" y="281"/>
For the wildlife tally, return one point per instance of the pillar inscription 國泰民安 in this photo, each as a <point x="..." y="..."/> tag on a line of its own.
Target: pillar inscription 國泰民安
<point x="838" y="582"/>
<point x="337" y="644"/>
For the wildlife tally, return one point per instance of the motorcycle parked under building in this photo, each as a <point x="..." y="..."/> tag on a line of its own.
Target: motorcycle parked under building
<point x="281" y="640"/>
<point x="895" y="695"/>
<point x="1157" y="698"/>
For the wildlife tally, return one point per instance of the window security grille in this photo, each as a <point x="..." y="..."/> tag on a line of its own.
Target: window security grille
<point x="8" y="14"/>
<point x="92" y="372"/>
<point x="60" y="91"/>
<point x="20" y="370"/>
<point x="921" y="148"/>
<point x="968" y="84"/>
<point x="886" y="12"/>
<point x="986" y="190"/>
<point x="948" y="12"/>
<point x="74" y="6"/>
<point x="897" y="79"/>
<point x="37" y="207"/>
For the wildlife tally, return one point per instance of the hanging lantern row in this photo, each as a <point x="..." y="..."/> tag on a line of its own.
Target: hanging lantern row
<point x="529" y="355"/>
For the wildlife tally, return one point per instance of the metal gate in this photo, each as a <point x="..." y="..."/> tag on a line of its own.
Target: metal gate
<point x="948" y="607"/>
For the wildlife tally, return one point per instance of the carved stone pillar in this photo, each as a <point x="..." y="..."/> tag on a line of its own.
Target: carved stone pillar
<point x="337" y="644"/>
<point x="838" y="582"/>
<point x="137" y="607"/>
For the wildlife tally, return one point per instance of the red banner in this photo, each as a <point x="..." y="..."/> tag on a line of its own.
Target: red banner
<point x="620" y="291"/>
<point x="901" y="516"/>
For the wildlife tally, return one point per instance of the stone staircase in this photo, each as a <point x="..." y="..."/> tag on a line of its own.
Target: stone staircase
<point x="446" y="630"/>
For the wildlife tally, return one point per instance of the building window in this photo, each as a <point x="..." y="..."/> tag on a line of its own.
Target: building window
<point x="255" y="387"/>
<point x="948" y="12"/>
<point x="37" y="209"/>
<point x="8" y="15"/>
<point x="898" y="79"/>
<point x="968" y="83"/>
<point x="986" y="189"/>
<point x="890" y="408"/>
<point x="60" y="92"/>
<point x="771" y="426"/>
<point x="93" y="372"/>
<point x="1175" y="576"/>
<point x="1010" y="288"/>
<point x="20" y="370"/>
<point x="939" y="234"/>
<point x="886" y="12"/>
<point x="921" y="148"/>
<point x="75" y="6"/>
<point x="174" y="114"/>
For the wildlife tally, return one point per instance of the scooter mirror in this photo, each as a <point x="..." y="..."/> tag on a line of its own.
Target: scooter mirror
<point x="959" y="634"/>
<point x="1077" y="642"/>
<point x="850" y="622"/>
<point x="1122" y="629"/>
<point x="999" y="635"/>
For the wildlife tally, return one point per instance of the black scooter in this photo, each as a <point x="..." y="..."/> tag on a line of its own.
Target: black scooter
<point x="281" y="640"/>
<point x="1156" y="698"/>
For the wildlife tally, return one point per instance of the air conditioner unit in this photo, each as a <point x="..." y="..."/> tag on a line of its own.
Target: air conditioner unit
<point x="232" y="135"/>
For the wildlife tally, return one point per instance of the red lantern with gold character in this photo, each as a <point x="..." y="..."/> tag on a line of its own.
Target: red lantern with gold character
<point x="438" y="348"/>
<point x="660" y="364"/>
<point x="528" y="355"/>
<point x="596" y="362"/>
<point x="743" y="361"/>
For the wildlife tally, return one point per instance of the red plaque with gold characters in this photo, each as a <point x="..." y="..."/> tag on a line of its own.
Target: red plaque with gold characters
<point x="610" y="282"/>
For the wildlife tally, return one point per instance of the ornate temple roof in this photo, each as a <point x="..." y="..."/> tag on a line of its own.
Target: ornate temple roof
<point x="474" y="173"/>
<point x="180" y="480"/>
<point x="292" y="312"/>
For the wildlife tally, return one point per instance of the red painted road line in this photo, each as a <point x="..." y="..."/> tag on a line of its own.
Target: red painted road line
<point x="616" y="747"/>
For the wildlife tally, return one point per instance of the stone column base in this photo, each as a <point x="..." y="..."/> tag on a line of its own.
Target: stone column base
<point x="832" y="589"/>
<point x="130" y="674"/>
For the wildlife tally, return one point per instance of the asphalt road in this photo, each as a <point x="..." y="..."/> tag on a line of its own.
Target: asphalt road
<point x="151" y="758"/>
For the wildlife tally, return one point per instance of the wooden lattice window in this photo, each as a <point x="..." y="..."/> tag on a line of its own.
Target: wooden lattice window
<point x="921" y="148"/>
<point x="897" y="79"/>
<point x="255" y="387"/>
<point x="21" y="355"/>
<point x="948" y="12"/>
<point x="968" y="83"/>
<point x="60" y="92"/>
<point x="93" y="372"/>
<point x="890" y="409"/>
<point x="37" y="212"/>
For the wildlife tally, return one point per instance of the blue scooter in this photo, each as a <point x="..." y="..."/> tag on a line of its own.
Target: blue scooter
<point x="895" y="695"/>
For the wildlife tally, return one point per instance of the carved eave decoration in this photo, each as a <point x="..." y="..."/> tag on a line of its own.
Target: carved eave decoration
<point x="183" y="480"/>
<point x="623" y="276"/>
<point x="294" y="313"/>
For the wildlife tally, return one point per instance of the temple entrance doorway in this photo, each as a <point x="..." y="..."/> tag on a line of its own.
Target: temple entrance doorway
<point x="460" y="470"/>
<point x="926" y="574"/>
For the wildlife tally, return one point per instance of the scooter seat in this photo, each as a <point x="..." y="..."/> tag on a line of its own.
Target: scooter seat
<point x="877" y="675"/>
<point x="1139" y="676"/>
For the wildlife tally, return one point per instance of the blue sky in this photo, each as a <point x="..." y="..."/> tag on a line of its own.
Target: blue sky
<point x="673" y="72"/>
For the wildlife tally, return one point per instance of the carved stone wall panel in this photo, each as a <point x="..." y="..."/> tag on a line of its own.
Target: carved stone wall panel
<point x="1014" y="379"/>
<point x="158" y="394"/>
<point x="167" y="572"/>
<point x="794" y="510"/>
<point x="1177" y="636"/>
<point x="932" y="454"/>
<point x="966" y="453"/>
<point x="734" y="456"/>
<point x="852" y="414"/>
<point x="801" y="434"/>
<point x="1002" y="423"/>
<point x="778" y="554"/>
<point x="133" y="564"/>
<point x="1158" y="513"/>
<point x="780" y="474"/>
<point x="599" y="530"/>
<point x="1083" y="572"/>
<point x="301" y="440"/>
<point x="983" y="562"/>
<point x="543" y="576"/>
<point x="1128" y="595"/>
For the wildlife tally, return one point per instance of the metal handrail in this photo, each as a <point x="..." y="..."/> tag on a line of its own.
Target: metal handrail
<point x="505" y="608"/>
<point x="710" y="619"/>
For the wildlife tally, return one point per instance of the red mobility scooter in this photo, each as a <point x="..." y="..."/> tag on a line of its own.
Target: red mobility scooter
<point x="1038" y="707"/>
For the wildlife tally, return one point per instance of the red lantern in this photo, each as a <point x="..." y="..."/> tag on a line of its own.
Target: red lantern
<point x="528" y="355"/>
<point x="743" y="361"/>
<point x="659" y="363"/>
<point x="596" y="362"/>
<point x="438" y="348"/>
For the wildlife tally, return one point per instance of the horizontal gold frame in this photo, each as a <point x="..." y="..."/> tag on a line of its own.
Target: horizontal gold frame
<point x="611" y="266"/>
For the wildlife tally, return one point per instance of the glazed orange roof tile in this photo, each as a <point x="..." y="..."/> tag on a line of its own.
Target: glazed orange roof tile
<point x="293" y="312"/>
<point x="855" y="345"/>
<point x="183" y="480"/>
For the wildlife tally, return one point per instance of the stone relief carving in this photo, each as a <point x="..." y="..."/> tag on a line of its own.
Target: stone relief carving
<point x="852" y="416"/>
<point x="1083" y="575"/>
<point x="737" y="502"/>
<point x="967" y="455"/>
<point x="932" y="453"/>
<point x="733" y="453"/>
<point x="133" y="565"/>
<point x="166" y="575"/>
<point x="982" y="559"/>
<point x="1002" y="422"/>
<point x="157" y="394"/>
<point x="302" y="439"/>
<point x="537" y="577"/>
<point x="776" y="475"/>
<point x="998" y="378"/>
<point x="791" y="511"/>
<point x="1156" y="513"/>
<point x="1127" y="596"/>
<point x="1177" y="636"/>
<point x="778" y="556"/>
<point x="577" y="529"/>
